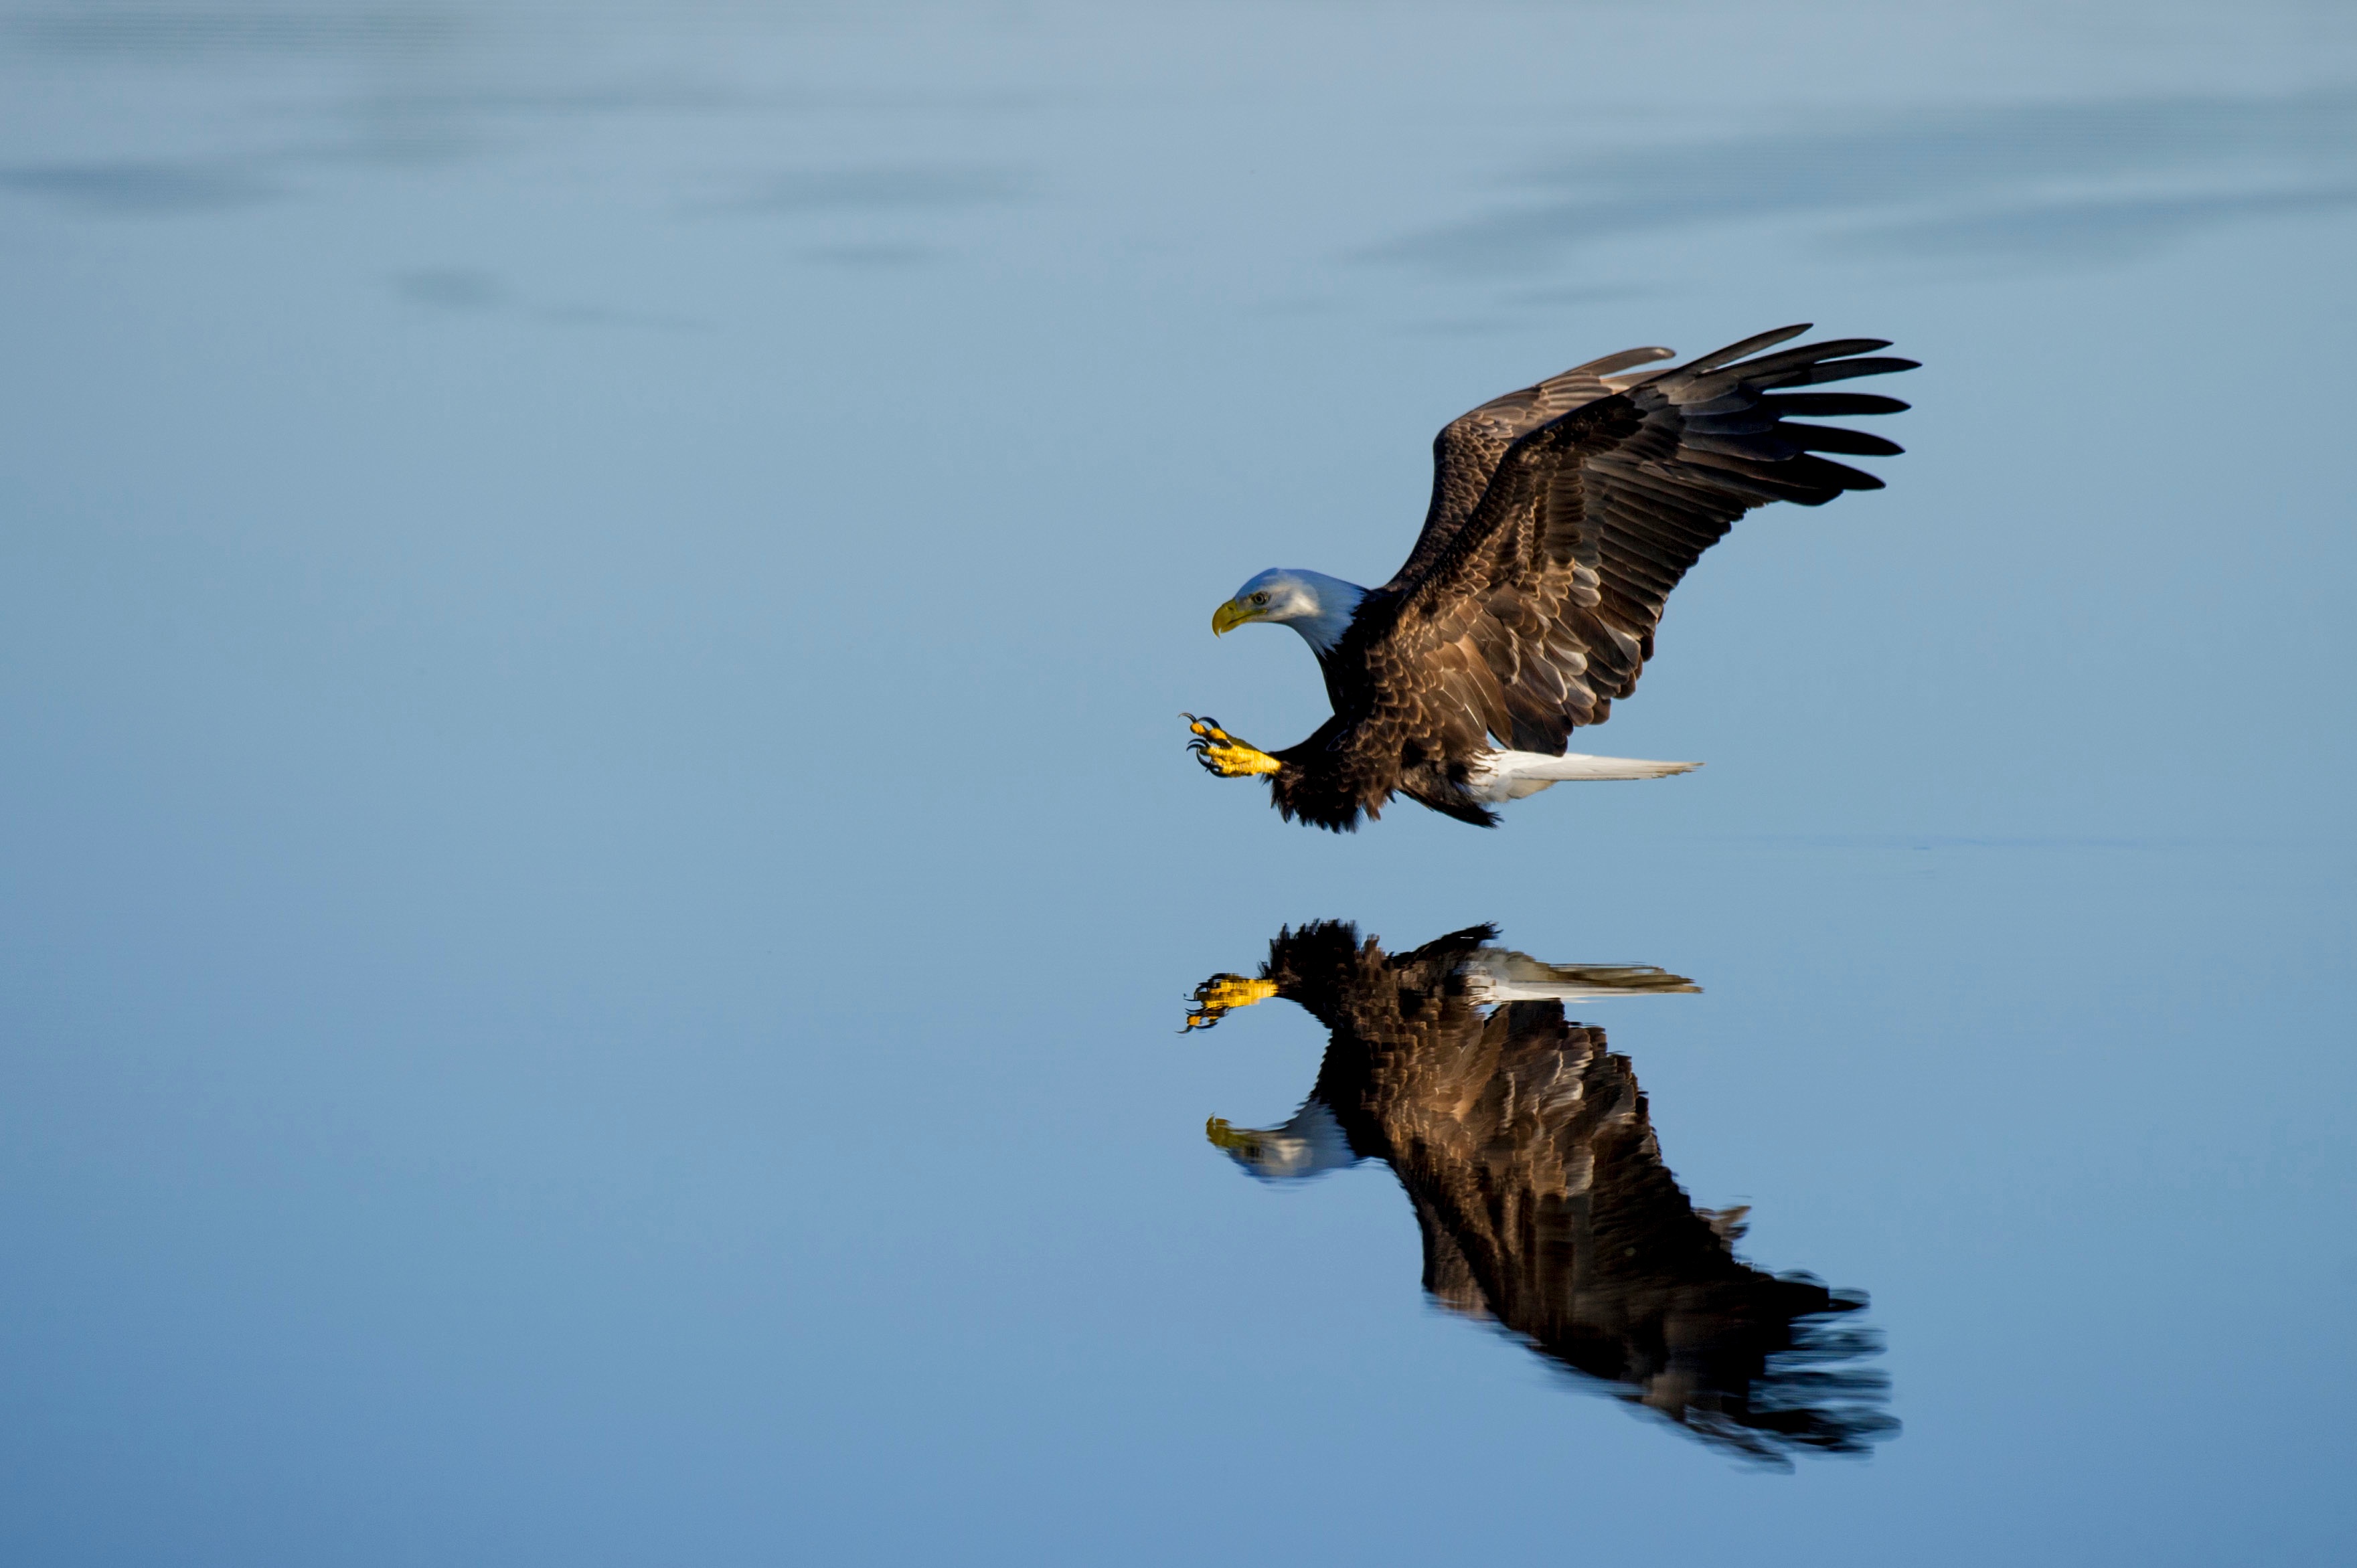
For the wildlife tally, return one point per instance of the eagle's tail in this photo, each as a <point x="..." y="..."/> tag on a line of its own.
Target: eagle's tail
<point x="1510" y="775"/>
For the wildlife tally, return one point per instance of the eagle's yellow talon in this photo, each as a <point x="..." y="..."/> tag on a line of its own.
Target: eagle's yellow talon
<point x="1239" y="761"/>
<point x="1223" y="754"/>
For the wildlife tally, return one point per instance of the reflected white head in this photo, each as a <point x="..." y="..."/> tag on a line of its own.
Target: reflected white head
<point x="1309" y="1145"/>
<point x="1317" y="606"/>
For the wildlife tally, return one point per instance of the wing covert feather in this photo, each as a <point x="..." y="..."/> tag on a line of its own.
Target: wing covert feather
<point x="1466" y="451"/>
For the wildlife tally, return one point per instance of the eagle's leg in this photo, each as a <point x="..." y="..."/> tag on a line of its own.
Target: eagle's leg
<point x="1223" y="754"/>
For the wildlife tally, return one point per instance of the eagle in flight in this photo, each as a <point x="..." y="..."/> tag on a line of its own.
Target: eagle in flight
<point x="1562" y="516"/>
<point x="1528" y="1152"/>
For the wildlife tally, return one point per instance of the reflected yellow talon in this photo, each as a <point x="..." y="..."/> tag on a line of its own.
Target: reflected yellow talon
<point x="1223" y="754"/>
<point x="1217" y="996"/>
<point x="1226" y="990"/>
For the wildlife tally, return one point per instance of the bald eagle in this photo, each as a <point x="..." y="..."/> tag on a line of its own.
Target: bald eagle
<point x="1562" y="516"/>
<point x="1529" y="1155"/>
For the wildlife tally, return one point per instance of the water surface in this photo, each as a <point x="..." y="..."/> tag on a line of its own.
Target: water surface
<point x="602" y="887"/>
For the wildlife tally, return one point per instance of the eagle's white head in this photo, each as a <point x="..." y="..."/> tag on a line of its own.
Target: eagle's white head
<point x="1311" y="1144"/>
<point x="1317" y="606"/>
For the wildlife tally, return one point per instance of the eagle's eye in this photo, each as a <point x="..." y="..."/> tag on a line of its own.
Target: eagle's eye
<point x="1261" y="598"/>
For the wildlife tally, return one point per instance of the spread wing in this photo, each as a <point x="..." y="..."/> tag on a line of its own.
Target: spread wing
<point x="1530" y="614"/>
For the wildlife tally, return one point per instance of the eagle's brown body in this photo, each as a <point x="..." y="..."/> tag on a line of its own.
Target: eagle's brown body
<point x="1561" y="517"/>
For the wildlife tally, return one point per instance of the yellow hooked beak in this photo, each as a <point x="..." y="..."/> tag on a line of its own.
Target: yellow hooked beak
<point x="1230" y="615"/>
<point x="1226" y="1136"/>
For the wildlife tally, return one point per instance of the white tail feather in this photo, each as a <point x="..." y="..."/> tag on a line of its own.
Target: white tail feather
<point x="1510" y="775"/>
<point x="1491" y="975"/>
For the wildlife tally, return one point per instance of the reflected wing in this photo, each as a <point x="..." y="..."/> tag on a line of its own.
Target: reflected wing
<point x="1530" y="615"/>
<point x="1529" y="1156"/>
<point x="1528" y="1151"/>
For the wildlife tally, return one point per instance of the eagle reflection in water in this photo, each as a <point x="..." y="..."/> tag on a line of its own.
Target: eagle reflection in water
<point x="1526" y="1148"/>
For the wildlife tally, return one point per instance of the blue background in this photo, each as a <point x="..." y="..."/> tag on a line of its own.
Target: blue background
<point x="596" y="878"/>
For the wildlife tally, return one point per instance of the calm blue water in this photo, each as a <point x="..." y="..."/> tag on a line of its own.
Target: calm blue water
<point x="598" y="884"/>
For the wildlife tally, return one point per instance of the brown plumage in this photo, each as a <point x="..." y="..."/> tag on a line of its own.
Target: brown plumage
<point x="1528" y="1153"/>
<point x="1562" y="516"/>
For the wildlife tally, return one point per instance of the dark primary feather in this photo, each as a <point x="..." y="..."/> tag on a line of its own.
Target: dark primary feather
<point x="1562" y="517"/>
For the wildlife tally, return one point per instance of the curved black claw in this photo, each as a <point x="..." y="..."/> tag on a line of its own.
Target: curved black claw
<point x="1222" y="754"/>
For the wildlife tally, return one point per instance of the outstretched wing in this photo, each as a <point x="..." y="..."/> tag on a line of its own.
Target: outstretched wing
<point x="1466" y="453"/>
<point x="1527" y="1148"/>
<point x="1529" y="1153"/>
<point x="1529" y="616"/>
